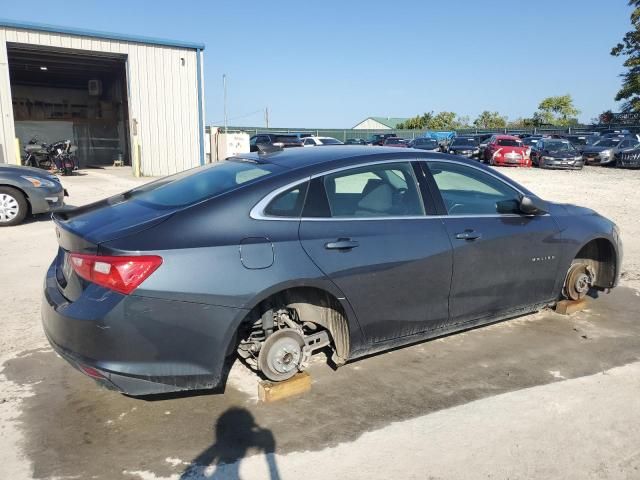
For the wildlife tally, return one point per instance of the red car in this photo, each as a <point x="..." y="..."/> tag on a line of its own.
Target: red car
<point x="507" y="150"/>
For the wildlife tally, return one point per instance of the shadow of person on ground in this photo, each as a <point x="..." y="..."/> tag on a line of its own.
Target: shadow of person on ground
<point x="236" y="432"/>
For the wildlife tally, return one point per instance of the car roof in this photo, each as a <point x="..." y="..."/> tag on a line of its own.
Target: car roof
<point x="295" y="158"/>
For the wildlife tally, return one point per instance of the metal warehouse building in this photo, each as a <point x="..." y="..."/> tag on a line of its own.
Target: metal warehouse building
<point x="114" y="96"/>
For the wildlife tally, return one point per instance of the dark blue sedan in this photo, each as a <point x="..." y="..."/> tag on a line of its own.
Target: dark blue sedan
<point x="276" y="256"/>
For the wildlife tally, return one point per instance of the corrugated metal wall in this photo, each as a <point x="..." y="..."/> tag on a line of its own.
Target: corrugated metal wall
<point x="162" y="94"/>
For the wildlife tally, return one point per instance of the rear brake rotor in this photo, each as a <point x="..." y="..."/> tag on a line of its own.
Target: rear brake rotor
<point x="280" y="356"/>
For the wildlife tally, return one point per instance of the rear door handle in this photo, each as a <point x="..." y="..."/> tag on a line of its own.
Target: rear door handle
<point x="341" y="244"/>
<point x="468" y="235"/>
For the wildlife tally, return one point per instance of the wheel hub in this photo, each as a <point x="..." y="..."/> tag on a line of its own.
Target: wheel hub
<point x="281" y="355"/>
<point x="8" y="208"/>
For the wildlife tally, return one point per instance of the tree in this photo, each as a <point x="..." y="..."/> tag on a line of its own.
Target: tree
<point x="558" y="111"/>
<point x="431" y="121"/>
<point x="489" y="119"/>
<point x="630" y="47"/>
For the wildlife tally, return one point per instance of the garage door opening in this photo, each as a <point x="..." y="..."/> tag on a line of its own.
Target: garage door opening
<point x="64" y="94"/>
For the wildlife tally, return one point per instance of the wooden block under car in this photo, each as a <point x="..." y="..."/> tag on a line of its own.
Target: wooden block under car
<point x="271" y="392"/>
<point x="567" y="307"/>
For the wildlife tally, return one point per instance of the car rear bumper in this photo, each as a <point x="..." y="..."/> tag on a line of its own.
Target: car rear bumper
<point x="139" y="345"/>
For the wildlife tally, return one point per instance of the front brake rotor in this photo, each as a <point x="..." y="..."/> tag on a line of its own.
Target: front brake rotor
<point x="281" y="355"/>
<point x="579" y="280"/>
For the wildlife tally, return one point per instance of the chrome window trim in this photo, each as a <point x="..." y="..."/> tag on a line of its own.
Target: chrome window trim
<point x="257" y="212"/>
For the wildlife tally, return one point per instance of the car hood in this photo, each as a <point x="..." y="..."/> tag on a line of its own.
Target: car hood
<point x="17" y="170"/>
<point x="596" y="149"/>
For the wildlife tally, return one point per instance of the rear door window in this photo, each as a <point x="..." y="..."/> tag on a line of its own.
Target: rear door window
<point x="381" y="190"/>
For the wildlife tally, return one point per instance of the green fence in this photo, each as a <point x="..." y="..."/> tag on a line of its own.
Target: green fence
<point x="345" y="134"/>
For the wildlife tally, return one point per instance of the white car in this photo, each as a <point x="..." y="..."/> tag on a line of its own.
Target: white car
<point x="317" y="141"/>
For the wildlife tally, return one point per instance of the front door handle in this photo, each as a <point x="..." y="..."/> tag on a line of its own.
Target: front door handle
<point x="341" y="244"/>
<point x="468" y="235"/>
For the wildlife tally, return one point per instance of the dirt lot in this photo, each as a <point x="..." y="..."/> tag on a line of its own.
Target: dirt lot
<point x="543" y="396"/>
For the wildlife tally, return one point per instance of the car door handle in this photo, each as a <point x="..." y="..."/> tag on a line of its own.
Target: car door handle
<point x="468" y="235"/>
<point x="341" y="244"/>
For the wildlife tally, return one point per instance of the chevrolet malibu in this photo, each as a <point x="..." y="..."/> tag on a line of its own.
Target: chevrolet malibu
<point x="274" y="257"/>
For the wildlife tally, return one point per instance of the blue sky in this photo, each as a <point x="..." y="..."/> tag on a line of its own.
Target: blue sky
<point x="333" y="63"/>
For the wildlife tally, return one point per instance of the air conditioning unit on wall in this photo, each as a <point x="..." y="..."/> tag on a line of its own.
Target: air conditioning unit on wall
<point x="95" y="88"/>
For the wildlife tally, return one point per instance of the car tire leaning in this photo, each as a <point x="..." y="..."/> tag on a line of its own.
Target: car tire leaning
<point x="13" y="206"/>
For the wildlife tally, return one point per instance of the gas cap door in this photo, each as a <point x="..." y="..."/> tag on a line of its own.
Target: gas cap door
<point x="256" y="253"/>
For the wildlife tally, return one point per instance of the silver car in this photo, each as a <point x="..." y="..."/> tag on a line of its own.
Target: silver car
<point x="603" y="151"/>
<point x="26" y="190"/>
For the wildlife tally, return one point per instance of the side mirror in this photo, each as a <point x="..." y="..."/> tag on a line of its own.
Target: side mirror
<point x="533" y="205"/>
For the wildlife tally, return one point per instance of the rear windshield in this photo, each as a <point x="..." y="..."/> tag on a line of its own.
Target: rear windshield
<point x="330" y="141"/>
<point x="286" y="139"/>
<point x="192" y="186"/>
<point x="507" y="142"/>
<point x="460" y="141"/>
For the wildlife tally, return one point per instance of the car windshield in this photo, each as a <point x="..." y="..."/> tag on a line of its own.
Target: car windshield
<point x="559" y="147"/>
<point x="330" y="141"/>
<point x="463" y="142"/>
<point x="197" y="184"/>
<point x="607" y="142"/>
<point x="530" y="141"/>
<point x="427" y="142"/>
<point x="578" y="140"/>
<point x="509" y="142"/>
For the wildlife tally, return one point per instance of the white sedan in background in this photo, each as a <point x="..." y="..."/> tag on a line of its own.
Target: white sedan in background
<point x="318" y="141"/>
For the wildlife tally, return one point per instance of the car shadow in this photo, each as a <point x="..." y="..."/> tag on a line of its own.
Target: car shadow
<point x="236" y="434"/>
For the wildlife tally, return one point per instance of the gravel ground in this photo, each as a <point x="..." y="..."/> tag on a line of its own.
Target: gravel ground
<point x="28" y="249"/>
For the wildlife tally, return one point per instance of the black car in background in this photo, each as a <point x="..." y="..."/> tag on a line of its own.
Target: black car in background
<point x="379" y="138"/>
<point x="428" y="144"/>
<point x="465" y="146"/>
<point x="355" y="141"/>
<point x="274" y="140"/>
<point x="556" y="153"/>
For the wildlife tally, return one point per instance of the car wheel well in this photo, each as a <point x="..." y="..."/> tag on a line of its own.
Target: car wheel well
<point x="316" y="306"/>
<point x="600" y="255"/>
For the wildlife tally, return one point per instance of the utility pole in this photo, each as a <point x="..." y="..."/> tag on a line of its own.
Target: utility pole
<point x="224" y="87"/>
<point x="266" y="116"/>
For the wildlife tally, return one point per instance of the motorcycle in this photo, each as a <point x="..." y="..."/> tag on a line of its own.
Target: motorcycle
<point x="58" y="156"/>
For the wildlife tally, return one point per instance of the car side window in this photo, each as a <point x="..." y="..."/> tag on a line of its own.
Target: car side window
<point x="308" y="141"/>
<point x="288" y="203"/>
<point x="380" y="190"/>
<point x="470" y="191"/>
<point x="253" y="141"/>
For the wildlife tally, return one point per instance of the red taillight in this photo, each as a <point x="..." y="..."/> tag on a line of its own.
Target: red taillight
<point x="91" y="372"/>
<point x="122" y="274"/>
